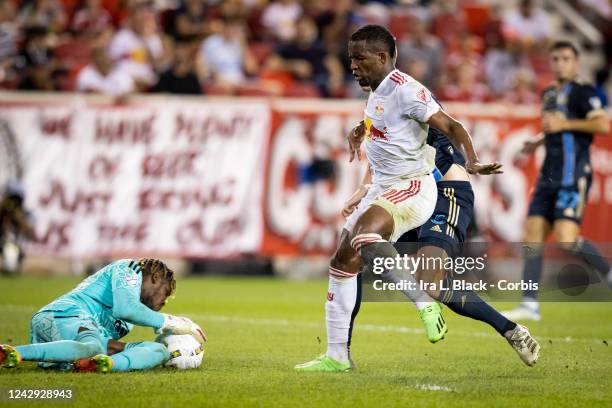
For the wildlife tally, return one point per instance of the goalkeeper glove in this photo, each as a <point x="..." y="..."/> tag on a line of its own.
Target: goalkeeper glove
<point x="181" y="325"/>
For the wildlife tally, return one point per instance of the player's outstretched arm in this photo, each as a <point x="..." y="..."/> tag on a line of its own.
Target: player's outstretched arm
<point x="127" y="306"/>
<point x="460" y="137"/>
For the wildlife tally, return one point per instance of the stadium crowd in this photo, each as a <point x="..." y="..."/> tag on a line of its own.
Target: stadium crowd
<point x="464" y="50"/>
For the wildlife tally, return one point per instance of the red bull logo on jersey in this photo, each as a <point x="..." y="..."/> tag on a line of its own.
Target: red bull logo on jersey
<point x="372" y="133"/>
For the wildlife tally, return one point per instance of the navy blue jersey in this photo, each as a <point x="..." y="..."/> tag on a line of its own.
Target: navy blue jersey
<point x="446" y="153"/>
<point x="567" y="153"/>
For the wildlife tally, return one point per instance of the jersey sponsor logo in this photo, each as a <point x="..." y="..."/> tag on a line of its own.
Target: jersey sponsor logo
<point x="372" y="133"/>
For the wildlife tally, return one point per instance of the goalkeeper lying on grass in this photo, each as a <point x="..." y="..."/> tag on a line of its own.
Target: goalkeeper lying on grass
<point x="80" y="330"/>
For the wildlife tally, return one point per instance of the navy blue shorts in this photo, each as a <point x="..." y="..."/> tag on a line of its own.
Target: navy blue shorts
<point x="555" y="202"/>
<point x="450" y="220"/>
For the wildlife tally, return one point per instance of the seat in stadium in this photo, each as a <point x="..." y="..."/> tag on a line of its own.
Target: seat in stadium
<point x="303" y="91"/>
<point x="255" y="89"/>
<point x="399" y="24"/>
<point x="260" y="51"/>
<point x="215" y="90"/>
<point x="476" y="17"/>
<point x="73" y="50"/>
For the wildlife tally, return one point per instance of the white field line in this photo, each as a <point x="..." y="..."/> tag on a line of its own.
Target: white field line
<point x="314" y="325"/>
<point x="432" y="387"/>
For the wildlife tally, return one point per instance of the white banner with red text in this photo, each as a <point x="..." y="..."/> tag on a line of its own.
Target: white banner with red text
<point x="170" y="179"/>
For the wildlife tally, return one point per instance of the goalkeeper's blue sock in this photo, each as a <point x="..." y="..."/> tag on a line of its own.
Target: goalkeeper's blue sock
<point x="87" y="344"/>
<point x="140" y="356"/>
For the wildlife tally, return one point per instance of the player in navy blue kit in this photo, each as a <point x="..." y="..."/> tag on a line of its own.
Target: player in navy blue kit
<point x="442" y="237"/>
<point x="571" y="114"/>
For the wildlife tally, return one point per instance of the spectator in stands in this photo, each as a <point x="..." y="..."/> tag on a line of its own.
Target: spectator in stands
<point x="44" y="13"/>
<point x="225" y="58"/>
<point x="528" y="24"/>
<point x="37" y="58"/>
<point x="91" y="19"/>
<point x="522" y="91"/>
<point x="138" y="48"/>
<point x="101" y="76"/>
<point x="181" y="78"/>
<point x="467" y="52"/>
<point x="233" y="9"/>
<point x="421" y="51"/>
<point x="38" y="77"/>
<point x="9" y="32"/>
<point x="191" y="20"/>
<point x="15" y="228"/>
<point x="502" y="62"/>
<point x="465" y="86"/>
<point x="448" y="20"/>
<point x="335" y="26"/>
<point x="307" y="59"/>
<point x="417" y="68"/>
<point x="280" y="17"/>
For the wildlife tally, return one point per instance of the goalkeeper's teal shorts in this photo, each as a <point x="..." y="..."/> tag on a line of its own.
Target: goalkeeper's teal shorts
<point x="47" y="326"/>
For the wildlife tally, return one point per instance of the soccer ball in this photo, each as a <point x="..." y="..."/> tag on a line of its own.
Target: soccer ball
<point x="185" y="351"/>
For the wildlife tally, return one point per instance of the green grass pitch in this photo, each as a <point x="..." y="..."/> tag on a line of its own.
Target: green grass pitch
<point x="259" y="328"/>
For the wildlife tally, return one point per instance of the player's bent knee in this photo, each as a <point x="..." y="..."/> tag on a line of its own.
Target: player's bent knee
<point x="92" y="348"/>
<point x="90" y="342"/>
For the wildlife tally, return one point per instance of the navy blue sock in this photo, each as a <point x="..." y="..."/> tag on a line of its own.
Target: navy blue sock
<point x="467" y="303"/>
<point x="589" y="253"/>
<point x="532" y="270"/>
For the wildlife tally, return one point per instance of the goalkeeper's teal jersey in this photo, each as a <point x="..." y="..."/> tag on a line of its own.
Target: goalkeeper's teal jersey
<point x="110" y="297"/>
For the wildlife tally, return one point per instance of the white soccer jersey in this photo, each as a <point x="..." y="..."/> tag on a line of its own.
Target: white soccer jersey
<point x="396" y="118"/>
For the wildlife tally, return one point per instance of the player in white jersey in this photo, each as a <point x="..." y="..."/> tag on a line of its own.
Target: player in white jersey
<point x="402" y="189"/>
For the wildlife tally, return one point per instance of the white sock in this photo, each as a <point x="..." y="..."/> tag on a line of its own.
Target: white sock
<point x="531" y="304"/>
<point x="338" y="351"/>
<point x="341" y="299"/>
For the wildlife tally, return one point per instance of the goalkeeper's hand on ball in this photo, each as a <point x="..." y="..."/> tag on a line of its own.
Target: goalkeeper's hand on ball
<point x="182" y="325"/>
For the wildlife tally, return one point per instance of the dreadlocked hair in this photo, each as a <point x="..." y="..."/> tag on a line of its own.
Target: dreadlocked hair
<point x="149" y="266"/>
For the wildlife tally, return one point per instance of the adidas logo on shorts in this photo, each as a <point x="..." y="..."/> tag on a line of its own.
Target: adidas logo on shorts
<point x="436" y="228"/>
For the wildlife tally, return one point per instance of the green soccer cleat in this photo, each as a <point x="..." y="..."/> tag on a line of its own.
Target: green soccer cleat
<point x="96" y="364"/>
<point x="9" y="357"/>
<point x="435" y="326"/>
<point x="323" y="364"/>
